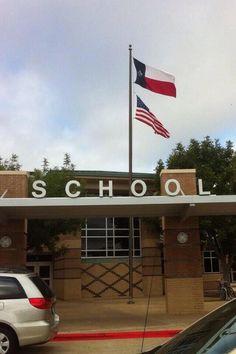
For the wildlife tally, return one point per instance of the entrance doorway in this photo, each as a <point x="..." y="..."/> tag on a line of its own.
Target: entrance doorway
<point x="43" y="269"/>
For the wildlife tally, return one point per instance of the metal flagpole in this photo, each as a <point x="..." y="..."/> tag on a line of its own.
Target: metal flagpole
<point x="130" y="180"/>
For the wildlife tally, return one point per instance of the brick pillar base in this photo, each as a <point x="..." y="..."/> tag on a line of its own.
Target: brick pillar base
<point x="151" y="262"/>
<point x="184" y="295"/>
<point x="67" y="270"/>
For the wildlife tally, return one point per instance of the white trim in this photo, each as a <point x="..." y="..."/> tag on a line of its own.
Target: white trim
<point x="14" y="173"/>
<point x="18" y="208"/>
<point x="170" y="171"/>
<point x="109" y="233"/>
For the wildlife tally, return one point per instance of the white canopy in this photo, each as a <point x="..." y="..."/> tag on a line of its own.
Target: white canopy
<point x="148" y="206"/>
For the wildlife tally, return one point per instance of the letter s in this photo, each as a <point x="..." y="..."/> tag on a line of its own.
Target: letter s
<point x="39" y="187"/>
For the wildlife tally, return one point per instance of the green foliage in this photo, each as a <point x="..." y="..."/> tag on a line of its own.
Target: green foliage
<point x="216" y="166"/>
<point x="214" y="163"/>
<point x="11" y="164"/>
<point x="55" y="178"/>
<point x="160" y="166"/>
<point x="45" y="233"/>
<point x="67" y="164"/>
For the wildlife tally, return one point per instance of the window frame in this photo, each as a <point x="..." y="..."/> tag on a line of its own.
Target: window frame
<point x="211" y="257"/>
<point x="111" y="235"/>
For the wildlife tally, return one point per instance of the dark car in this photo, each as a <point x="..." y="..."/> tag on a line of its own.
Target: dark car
<point x="214" y="333"/>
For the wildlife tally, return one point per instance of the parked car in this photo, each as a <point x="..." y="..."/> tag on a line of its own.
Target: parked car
<point x="27" y="310"/>
<point x="214" y="333"/>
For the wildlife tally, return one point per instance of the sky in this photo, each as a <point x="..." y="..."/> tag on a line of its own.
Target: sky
<point x="64" y="68"/>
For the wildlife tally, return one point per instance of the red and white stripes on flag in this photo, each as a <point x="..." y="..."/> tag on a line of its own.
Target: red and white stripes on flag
<point x="144" y="115"/>
<point x="155" y="80"/>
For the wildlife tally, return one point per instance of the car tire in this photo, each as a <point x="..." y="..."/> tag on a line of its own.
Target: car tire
<point x="8" y="341"/>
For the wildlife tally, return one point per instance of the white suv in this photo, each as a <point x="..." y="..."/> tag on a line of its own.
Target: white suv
<point x="27" y="310"/>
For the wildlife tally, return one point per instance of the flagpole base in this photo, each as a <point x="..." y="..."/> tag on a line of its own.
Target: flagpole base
<point x="131" y="301"/>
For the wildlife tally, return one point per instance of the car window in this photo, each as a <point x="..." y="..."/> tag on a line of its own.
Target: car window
<point x="206" y="333"/>
<point x="222" y="342"/>
<point x="10" y="288"/>
<point x="42" y="286"/>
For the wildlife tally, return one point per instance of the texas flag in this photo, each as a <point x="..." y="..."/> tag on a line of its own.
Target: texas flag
<point x="155" y="80"/>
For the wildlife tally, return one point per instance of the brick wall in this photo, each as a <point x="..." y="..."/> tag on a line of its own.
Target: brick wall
<point x="182" y="261"/>
<point x="184" y="296"/>
<point x="13" y="184"/>
<point x="67" y="269"/>
<point x="151" y="261"/>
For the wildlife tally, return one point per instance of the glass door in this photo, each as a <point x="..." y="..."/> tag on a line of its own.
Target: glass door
<point x="43" y="269"/>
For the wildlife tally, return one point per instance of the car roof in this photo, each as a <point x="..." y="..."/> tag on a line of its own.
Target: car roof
<point x="15" y="270"/>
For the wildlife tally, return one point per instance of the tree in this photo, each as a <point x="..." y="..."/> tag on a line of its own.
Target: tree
<point x="11" y="164"/>
<point x="216" y="165"/>
<point x="46" y="233"/>
<point x="219" y="234"/>
<point x="67" y="164"/>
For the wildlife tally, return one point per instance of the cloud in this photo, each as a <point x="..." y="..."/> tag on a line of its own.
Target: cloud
<point x="26" y="103"/>
<point x="64" y="78"/>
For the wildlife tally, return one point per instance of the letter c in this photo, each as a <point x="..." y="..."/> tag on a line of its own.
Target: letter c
<point x="67" y="189"/>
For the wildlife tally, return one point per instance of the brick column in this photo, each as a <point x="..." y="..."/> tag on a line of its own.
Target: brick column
<point x="182" y="261"/>
<point x="67" y="269"/>
<point x="151" y="261"/>
<point x="13" y="184"/>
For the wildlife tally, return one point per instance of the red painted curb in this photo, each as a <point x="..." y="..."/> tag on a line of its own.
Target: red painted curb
<point x="62" y="337"/>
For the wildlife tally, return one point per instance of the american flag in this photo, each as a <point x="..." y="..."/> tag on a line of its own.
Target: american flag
<point x="144" y="115"/>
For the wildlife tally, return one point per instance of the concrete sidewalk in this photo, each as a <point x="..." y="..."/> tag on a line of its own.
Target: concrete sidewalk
<point x="90" y="317"/>
<point x="107" y="315"/>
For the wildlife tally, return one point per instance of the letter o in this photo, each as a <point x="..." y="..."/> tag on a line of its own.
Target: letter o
<point x="144" y="188"/>
<point x="177" y="187"/>
<point x="67" y="189"/>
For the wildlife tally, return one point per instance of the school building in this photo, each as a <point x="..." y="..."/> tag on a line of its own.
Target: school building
<point x="96" y="264"/>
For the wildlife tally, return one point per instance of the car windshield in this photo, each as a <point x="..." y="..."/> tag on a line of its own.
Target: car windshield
<point x="213" y="334"/>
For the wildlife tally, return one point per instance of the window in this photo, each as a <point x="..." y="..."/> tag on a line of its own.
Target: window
<point x="42" y="287"/>
<point x="10" y="288"/>
<point x="43" y="269"/>
<point x="211" y="262"/>
<point x="109" y="237"/>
